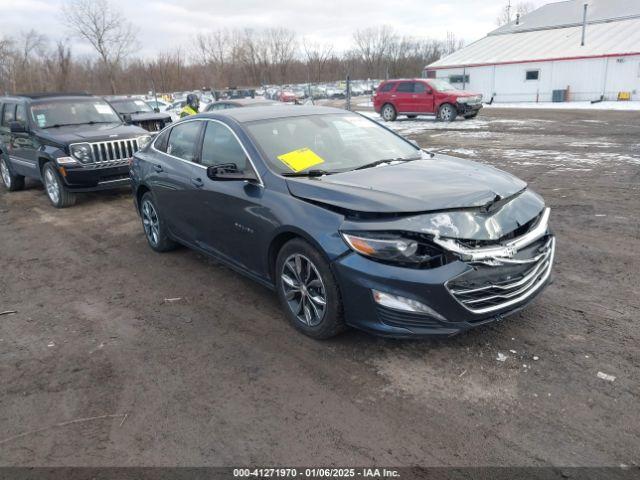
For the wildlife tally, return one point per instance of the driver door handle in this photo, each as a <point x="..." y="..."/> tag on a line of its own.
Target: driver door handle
<point x="197" y="182"/>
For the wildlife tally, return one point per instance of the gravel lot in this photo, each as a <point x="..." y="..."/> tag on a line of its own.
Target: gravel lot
<point x="99" y="368"/>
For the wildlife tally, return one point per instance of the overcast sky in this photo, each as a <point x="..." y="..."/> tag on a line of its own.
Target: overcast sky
<point x="166" y="24"/>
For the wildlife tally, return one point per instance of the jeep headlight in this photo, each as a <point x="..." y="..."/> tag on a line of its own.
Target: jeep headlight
<point x="463" y="100"/>
<point x="81" y="152"/>
<point x="396" y="248"/>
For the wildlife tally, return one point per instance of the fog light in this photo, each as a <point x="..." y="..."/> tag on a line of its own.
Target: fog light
<point x="404" y="304"/>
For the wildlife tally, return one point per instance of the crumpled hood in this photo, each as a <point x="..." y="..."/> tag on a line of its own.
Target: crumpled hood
<point x="436" y="184"/>
<point x="90" y="133"/>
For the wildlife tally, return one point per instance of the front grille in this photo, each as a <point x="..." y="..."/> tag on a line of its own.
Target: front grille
<point x="491" y="288"/>
<point x="114" y="152"/>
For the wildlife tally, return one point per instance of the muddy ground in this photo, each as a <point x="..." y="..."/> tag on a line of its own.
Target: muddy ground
<point x="97" y="368"/>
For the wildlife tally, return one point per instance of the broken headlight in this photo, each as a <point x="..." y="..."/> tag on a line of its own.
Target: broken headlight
<point x="395" y="248"/>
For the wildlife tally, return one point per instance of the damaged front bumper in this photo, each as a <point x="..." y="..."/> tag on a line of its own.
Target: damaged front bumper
<point x="485" y="284"/>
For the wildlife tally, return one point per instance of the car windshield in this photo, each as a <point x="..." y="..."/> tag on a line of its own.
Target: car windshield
<point x="131" y="106"/>
<point x="72" y="112"/>
<point x="330" y="142"/>
<point x="441" y="85"/>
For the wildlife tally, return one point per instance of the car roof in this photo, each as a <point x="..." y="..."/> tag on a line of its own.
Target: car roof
<point x="47" y="96"/>
<point x="250" y="114"/>
<point x="248" y="101"/>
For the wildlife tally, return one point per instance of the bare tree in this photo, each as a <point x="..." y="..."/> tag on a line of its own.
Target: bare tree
<point x="59" y="64"/>
<point x="509" y="12"/>
<point x="282" y="49"/>
<point x="317" y="57"/>
<point x="452" y="44"/>
<point x="106" y="29"/>
<point x="373" y="45"/>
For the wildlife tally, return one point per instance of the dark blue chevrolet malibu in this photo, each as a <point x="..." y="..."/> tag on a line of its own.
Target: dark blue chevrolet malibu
<point x="350" y="223"/>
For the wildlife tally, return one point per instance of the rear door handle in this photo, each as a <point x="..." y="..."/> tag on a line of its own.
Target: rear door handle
<point x="158" y="168"/>
<point x="197" y="182"/>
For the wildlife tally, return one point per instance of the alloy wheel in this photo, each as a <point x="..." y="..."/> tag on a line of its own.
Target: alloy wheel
<point x="52" y="186"/>
<point x="387" y="113"/>
<point x="6" y="176"/>
<point x="150" y="222"/>
<point x="304" y="289"/>
<point x="447" y="113"/>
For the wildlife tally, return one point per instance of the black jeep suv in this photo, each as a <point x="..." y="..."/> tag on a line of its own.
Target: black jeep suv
<point x="138" y="112"/>
<point x="72" y="143"/>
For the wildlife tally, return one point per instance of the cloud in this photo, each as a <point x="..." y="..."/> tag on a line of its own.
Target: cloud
<point x="163" y="25"/>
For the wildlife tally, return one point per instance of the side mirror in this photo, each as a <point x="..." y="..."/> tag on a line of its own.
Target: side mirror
<point x="126" y="118"/>
<point x="156" y="109"/>
<point x="429" y="91"/>
<point x="229" y="172"/>
<point x="17" y="127"/>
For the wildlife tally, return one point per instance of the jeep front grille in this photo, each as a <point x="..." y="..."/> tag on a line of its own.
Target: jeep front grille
<point x="502" y="287"/>
<point x="115" y="151"/>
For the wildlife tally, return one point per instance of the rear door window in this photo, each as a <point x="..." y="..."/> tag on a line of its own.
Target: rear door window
<point x="8" y="114"/>
<point x="405" y="87"/>
<point x="183" y="140"/>
<point x="21" y="113"/>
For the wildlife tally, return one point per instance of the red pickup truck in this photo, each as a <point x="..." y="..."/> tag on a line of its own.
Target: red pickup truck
<point x="413" y="97"/>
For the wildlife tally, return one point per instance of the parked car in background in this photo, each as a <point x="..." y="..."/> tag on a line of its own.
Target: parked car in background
<point x="138" y="112"/>
<point x="71" y="143"/>
<point x="159" y="104"/>
<point x="415" y="97"/>
<point x="175" y="108"/>
<point x="245" y="102"/>
<point x="287" y="96"/>
<point x="350" y="223"/>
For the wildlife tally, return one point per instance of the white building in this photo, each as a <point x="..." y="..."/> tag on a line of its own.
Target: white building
<point x="561" y="46"/>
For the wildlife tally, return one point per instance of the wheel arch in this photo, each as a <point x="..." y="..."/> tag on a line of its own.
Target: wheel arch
<point x="280" y="239"/>
<point x="140" y="191"/>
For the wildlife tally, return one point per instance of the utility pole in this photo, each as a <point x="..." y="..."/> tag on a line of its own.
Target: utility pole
<point x="509" y="12"/>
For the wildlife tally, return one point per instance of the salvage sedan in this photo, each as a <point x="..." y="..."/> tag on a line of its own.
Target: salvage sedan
<point x="350" y="223"/>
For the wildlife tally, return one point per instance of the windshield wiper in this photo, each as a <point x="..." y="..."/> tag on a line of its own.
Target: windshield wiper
<point x="386" y="160"/>
<point x="308" y="173"/>
<point x="58" y="125"/>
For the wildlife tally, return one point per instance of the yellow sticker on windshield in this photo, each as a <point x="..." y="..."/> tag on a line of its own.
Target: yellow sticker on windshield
<point x="301" y="159"/>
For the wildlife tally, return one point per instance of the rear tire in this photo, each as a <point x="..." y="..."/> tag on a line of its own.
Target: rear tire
<point x="308" y="292"/>
<point x="12" y="182"/>
<point x="58" y="194"/>
<point x="447" y="113"/>
<point x="388" y="113"/>
<point x="155" y="228"/>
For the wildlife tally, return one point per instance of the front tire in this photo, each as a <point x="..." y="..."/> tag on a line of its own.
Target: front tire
<point x="12" y="182"/>
<point x="447" y="113"/>
<point x="58" y="194"/>
<point x="155" y="228"/>
<point x="469" y="117"/>
<point x="308" y="291"/>
<point x="388" y="113"/>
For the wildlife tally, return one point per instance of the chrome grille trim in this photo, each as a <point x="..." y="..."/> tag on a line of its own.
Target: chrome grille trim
<point x="505" y="250"/>
<point x="113" y="152"/>
<point x="513" y="293"/>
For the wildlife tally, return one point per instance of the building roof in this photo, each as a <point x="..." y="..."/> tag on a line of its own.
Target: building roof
<point x="570" y="14"/>
<point x="554" y="32"/>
